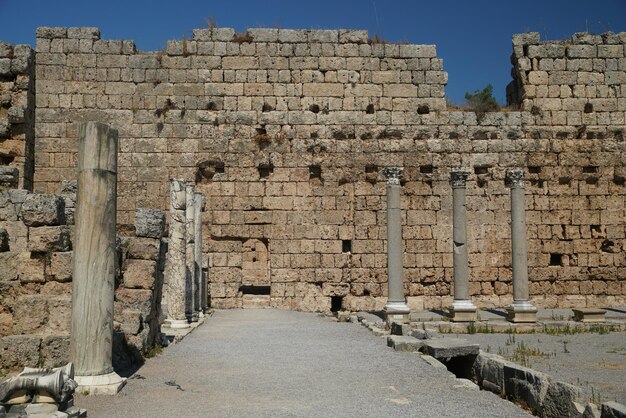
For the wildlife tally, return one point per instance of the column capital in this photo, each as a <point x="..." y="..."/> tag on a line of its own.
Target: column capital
<point x="392" y="174"/>
<point x="515" y="178"/>
<point x="458" y="178"/>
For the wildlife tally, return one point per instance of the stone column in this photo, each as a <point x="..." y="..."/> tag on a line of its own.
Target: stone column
<point x="199" y="288"/>
<point x="396" y="308"/>
<point x="177" y="256"/>
<point x="462" y="307"/>
<point x="521" y="310"/>
<point x="93" y="284"/>
<point x="190" y="210"/>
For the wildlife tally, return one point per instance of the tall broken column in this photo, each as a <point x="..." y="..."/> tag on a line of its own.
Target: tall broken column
<point x="521" y="310"/>
<point x="93" y="284"/>
<point x="462" y="307"/>
<point x="396" y="308"/>
<point x="200" y="287"/>
<point x="177" y="256"/>
<point x="190" y="210"/>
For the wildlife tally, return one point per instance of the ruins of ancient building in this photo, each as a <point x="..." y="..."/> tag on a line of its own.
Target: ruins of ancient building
<point x="285" y="133"/>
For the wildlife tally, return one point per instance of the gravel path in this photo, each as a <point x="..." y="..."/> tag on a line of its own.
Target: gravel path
<point x="271" y="363"/>
<point x="586" y="360"/>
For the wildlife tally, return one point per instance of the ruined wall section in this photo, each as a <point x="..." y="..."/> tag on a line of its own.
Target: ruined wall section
<point x="36" y="234"/>
<point x="17" y="111"/>
<point x="578" y="84"/>
<point x="285" y="132"/>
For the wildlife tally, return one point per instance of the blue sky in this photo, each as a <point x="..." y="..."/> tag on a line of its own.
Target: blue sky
<point x="472" y="36"/>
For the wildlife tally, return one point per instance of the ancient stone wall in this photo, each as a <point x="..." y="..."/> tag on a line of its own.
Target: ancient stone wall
<point x="17" y="105"/>
<point x="285" y="132"/>
<point x="36" y="234"/>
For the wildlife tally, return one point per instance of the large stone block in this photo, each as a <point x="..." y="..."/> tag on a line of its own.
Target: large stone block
<point x="447" y="348"/>
<point x="43" y="210"/>
<point x="6" y="324"/>
<point x="563" y="400"/>
<point x="19" y="351"/>
<point x="55" y="350"/>
<point x="32" y="270"/>
<point x="10" y="263"/>
<point x="522" y="384"/>
<point x="60" y="317"/>
<point x="144" y="248"/>
<point x="49" y="239"/>
<point x="61" y="266"/>
<point x="404" y="343"/>
<point x="149" y="223"/>
<point x="613" y="410"/>
<point x="30" y="314"/>
<point x="139" y="274"/>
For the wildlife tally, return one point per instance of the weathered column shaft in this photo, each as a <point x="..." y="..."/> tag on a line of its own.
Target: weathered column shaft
<point x="198" y="287"/>
<point x="462" y="308"/>
<point x="394" y="244"/>
<point x="177" y="255"/>
<point x="396" y="307"/>
<point x="521" y="310"/>
<point x="191" y="313"/>
<point x="459" y="236"/>
<point x="93" y="283"/>
<point x="518" y="237"/>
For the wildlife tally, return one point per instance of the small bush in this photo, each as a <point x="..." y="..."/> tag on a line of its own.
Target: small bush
<point x="243" y="37"/>
<point x="482" y="101"/>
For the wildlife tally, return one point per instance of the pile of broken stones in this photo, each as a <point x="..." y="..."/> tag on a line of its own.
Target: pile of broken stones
<point x="40" y="392"/>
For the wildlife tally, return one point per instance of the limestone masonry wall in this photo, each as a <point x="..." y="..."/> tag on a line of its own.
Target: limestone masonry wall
<point x="36" y="235"/>
<point x="17" y="106"/>
<point x="285" y="131"/>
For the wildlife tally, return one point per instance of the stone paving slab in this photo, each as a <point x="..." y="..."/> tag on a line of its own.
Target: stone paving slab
<point x="262" y="363"/>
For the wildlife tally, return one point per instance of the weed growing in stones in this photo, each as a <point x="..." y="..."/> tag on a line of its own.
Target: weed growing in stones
<point x="471" y="328"/>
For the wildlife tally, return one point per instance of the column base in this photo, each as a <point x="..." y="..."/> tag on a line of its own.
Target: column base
<point x="396" y="311"/>
<point x="520" y="312"/>
<point x="104" y="384"/>
<point x="201" y="314"/>
<point x="177" y="323"/>
<point x="462" y="311"/>
<point x="194" y="317"/>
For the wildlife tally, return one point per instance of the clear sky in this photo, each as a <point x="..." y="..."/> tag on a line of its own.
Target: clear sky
<point x="472" y="36"/>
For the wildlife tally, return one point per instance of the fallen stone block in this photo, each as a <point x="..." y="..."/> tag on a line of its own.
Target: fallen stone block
<point x="370" y="318"/>
<point x="404" y="343"/>
<point x="43" y="210"/>
<point x="447" y="348"/>
<point x="421" y="334"/>
<point x="466" y="384"/>
<point x="591" y="411"/>
<point x="489" y="371"/>
<point x="399" y="328"/>
<point x="613" y="410"/>
<point x="433" y="362"/>
<point x="524" y="385"/>
<point x="563" y="400"/>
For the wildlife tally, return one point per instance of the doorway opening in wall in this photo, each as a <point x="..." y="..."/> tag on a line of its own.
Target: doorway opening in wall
<point x="336" y="303"/>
